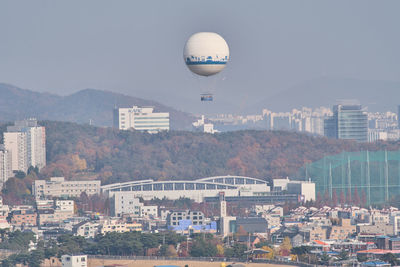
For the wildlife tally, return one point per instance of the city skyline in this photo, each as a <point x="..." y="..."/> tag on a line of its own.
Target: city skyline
<point x="275" y="47"/>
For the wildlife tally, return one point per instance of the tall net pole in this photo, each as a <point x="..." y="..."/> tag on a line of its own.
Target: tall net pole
<point x="330" y="180"/>
<point x="386" y="177"/>
<point x="349" y="178"/>
<point x="368" y="181"/>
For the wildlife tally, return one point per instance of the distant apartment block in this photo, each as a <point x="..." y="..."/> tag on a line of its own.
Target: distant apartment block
<point x="5" y="165"/>
<point x="304" y="120"/>
<point x="141" y="119"/>
<point x="27" y="143"/>
<point x="58" y="187"/>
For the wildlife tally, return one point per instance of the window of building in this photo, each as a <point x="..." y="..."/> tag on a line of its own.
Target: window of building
<point x="210" y="186"/>
<point x="229" y="181"/>
<point x="250" y="181"/>
<point x="168" y="186"/>
<point x="147" y="187"/>
<point x="200" y="186"/>
<point x="179" y="186"/>
<point x="137" y="188"/>
<point x="158" y="187"/>
<point x="239" y="181"/>
<point x="189" y="186"/>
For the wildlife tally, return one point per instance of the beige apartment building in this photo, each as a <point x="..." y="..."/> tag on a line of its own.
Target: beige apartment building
<point x="58" y="187"/>
<point x="341" y="231"/>
<point x="115" y="225"/>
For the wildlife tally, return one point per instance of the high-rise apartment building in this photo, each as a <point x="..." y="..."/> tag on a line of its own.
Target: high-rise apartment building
<point x="16" y="144"/>
<point x="398" y="116"/>
<point x="5" y="165"/>
<point x="141" y="119"/>
<point x="347" y="122"/>
<point x="27" y="143"/>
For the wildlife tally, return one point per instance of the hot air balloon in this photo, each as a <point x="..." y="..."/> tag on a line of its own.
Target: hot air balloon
<point x="206" y="54"/>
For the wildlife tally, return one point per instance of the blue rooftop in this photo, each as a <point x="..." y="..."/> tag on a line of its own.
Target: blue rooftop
<point x="374" y="263"/>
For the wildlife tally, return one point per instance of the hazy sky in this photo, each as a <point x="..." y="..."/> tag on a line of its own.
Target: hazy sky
<point x="135" y="47"/>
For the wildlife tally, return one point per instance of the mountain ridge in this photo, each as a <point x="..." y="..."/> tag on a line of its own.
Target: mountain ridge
<point x="83" y="106"/>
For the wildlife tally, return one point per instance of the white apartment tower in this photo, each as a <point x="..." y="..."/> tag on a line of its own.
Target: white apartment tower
<point x="27" y="143"/>
<point x="141" y="119"/>
<point x="16" y="144"/>
<point x="5" y="165"/>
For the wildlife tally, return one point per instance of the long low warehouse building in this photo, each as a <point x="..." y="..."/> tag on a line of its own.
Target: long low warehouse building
<point x="197" y="190"/>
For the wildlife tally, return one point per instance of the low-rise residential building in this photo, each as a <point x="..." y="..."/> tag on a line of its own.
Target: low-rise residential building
<point x="196" y="217"/>
<point x="378" y="217"/>
<point x="118" y="226"/>
<point x="149" y="211"/>
<point x="87" y="229"/>
<point x="311" y="233"/>
<point x="74" y="261"/>
<point x="341" y="231"/>
<point x="23" y="217"/>
<point x="58" y="187"/>
<point x="4" y="210"/>
<point x="378" y="229"/>
<point x="125" y="203"/>
<point x="394" y="243"/>
<point x="53" y="216"/>
<point x="54" y="211"/>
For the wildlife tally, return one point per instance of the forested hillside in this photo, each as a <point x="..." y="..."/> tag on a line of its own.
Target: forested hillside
<point x="116" y="156"/>
<point x="81" y="107"/>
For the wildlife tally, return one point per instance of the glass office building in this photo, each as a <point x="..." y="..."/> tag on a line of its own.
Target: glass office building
<point x="348" y="122"/>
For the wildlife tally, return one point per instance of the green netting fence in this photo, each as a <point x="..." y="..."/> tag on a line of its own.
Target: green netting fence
<point x="374" y="174"/>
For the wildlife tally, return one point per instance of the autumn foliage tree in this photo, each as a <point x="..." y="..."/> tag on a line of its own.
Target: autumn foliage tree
<point x="342" y="198"/>
<point x="334" y="198"/>
<point x="356" y="197"/>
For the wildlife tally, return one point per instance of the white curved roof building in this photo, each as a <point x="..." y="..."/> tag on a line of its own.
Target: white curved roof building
<point x="193" y="189"/>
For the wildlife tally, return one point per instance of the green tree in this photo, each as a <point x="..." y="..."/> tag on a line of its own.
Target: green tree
<point x="324" y="259"/>
<point x="36" y="258"/>
<point x="201" y="248"/>
<point x="301" y="250"/>
<point x="228" y="252"/>
<point x="343" y="255"/>
<point x="238" y="250"/>
<point x="390" y="258"/>
<point x="362" y="257"/>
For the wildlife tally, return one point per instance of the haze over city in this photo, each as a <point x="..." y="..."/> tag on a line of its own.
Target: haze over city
<point x="135" y="48"/>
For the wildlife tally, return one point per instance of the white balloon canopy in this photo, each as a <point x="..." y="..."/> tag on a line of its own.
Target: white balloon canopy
<point x="206" y="53"/>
